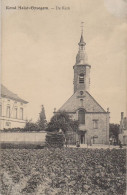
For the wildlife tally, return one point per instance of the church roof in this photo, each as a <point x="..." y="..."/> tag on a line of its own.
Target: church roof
<point x="9" y="94"/>
<point x="89" y="104"/>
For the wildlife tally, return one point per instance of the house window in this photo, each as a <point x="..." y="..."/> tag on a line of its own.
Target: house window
<point x="0" y="110"/>
<point x="81" y="116"/>
<point x="8" y="112"/>
<point x="21" y="113"/>
<point x="81" y="102"/>
<point x="15" y="112"/>
<point x="95" y="124"/>
<point x="81" y="78"/>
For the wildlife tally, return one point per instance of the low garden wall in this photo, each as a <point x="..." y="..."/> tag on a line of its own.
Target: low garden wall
<point x="26" y="137"/>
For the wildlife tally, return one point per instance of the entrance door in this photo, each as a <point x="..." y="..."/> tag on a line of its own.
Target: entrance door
<point x="82" y="139"/>
<point x="95" y="140"/>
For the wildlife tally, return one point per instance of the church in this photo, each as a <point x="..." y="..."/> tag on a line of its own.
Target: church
<point x="81" y="106"/>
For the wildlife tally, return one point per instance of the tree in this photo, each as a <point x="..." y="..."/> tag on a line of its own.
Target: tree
<point x="42" y="123"/>
<point x="114" y="131"/>
<point x="30" y="126"/>
<point x="62" y="120"/>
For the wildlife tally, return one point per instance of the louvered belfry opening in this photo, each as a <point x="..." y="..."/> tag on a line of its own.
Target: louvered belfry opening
<point x="81" y="78"/>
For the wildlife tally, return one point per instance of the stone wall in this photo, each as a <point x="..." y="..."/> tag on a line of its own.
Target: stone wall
<point x="99" y="135"/>
<point x="33" y="137"/>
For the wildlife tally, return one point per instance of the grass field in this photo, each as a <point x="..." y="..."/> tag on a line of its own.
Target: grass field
<point x="63" y="171"/>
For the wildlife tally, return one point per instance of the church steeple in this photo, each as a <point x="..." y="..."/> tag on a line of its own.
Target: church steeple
<point x="82" y="43"/>
<point x="81" y="57"/>
<point x="81" y="68"/>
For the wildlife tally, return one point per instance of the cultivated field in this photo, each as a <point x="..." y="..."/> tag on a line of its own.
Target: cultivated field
<point x="63" y="171"/>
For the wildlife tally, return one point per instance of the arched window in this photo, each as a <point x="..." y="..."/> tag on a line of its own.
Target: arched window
<point x="81" y="116"/>
<point x="81" y="78"/>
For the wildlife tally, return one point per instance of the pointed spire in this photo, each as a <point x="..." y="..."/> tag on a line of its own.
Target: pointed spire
<point x="81" y="39"/>
<point x="82" y="43"/>
<point x="81" y="57"/>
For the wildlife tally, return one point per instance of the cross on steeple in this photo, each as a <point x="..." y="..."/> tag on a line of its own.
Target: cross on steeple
<point x="82" y="43"/>
<point x="82" y="26"/>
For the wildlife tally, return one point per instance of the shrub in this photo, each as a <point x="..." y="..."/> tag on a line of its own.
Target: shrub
<point x="13" y="130"/>
<point x="54" y="140"/>
<point x="24" y="145"/>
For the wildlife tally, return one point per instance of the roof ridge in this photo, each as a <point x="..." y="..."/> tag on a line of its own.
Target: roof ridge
<point x="95" y="101"/>
<point x="66" y="102"/>
<point x="5" y="92"/>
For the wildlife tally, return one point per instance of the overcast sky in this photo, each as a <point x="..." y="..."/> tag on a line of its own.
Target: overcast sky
<point x="39" y="50"/>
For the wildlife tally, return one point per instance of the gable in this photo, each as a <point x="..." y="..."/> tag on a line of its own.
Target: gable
<point x="89" y="103"/>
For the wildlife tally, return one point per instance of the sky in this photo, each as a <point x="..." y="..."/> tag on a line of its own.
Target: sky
<point x="39" y="50"/>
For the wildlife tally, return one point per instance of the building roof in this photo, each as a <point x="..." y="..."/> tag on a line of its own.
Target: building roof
<point x="89" y="104"/>
<point x="81" y="57"/>
<point x="9" y="94"/>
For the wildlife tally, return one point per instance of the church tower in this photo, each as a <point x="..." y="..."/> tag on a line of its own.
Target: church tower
<point x="81" y="69"/>
<point x="93" y="119"/>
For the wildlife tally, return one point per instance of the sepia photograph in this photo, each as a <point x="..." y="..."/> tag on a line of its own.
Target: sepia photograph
<point x="63" y="97"/>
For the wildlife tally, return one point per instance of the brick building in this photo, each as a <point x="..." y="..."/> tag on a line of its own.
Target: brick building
<point x="93" y="119"/>
<point x="12" y="110"/>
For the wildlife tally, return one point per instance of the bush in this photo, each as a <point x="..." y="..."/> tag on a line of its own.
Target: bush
<point x="21" y="146"/>
<point x="54" y="140"/>
<point x="29" y="127"/>
<point x="13" y="130"/>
